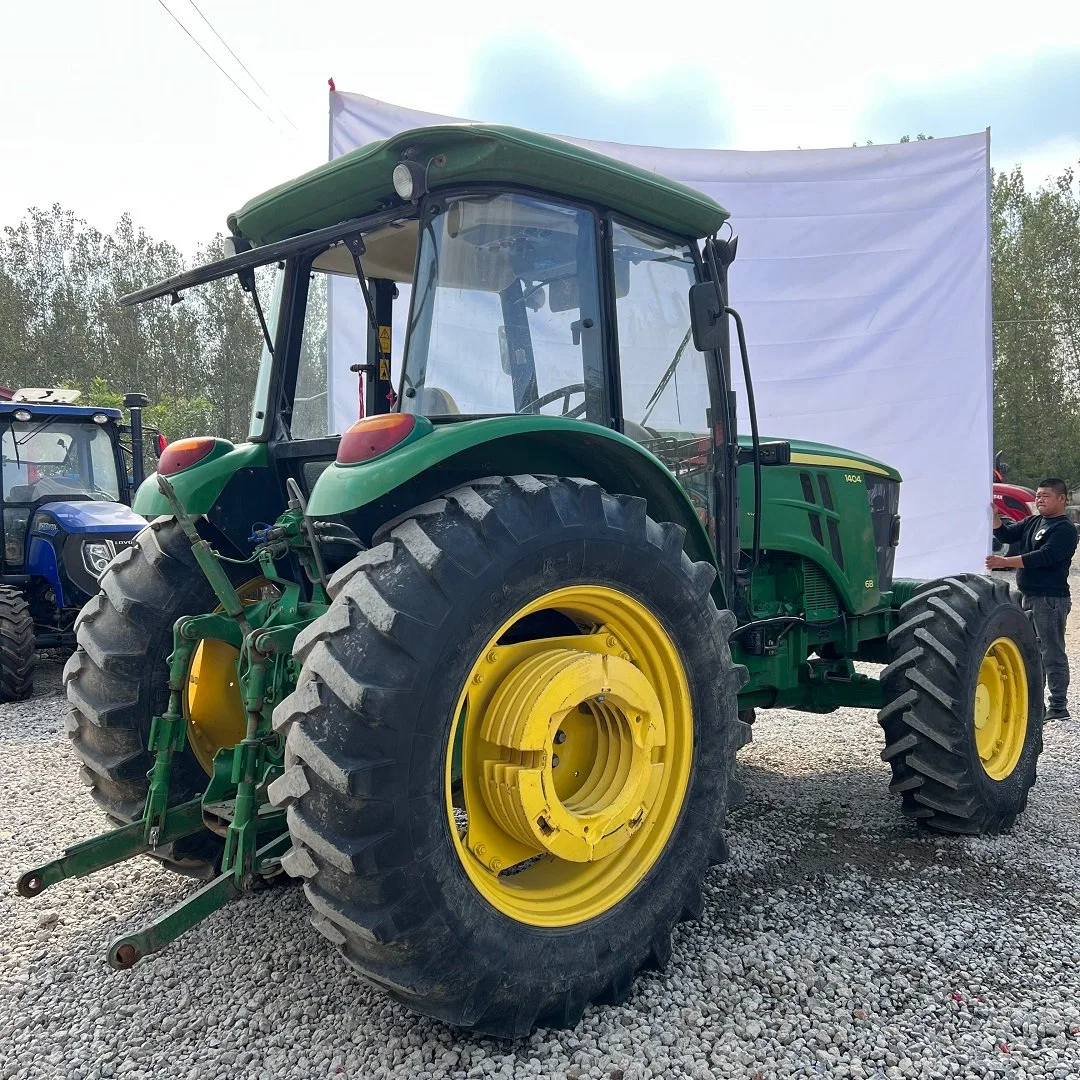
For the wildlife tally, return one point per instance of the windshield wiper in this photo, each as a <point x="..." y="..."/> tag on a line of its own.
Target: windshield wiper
<point x="661" y="386"/>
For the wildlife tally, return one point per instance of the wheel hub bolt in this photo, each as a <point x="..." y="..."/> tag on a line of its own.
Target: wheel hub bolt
<point x="560" y="737"/>
<point x="554" y="761"/>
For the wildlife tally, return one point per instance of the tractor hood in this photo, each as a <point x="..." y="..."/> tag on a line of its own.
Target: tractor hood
<point x="818" y="454"/>
<point x="94" y="517"/>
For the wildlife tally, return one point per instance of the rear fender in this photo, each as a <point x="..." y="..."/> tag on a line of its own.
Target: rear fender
<point x="199" y="487"/>
<point x="233" y="490"/>
<point x="374" y="492"/>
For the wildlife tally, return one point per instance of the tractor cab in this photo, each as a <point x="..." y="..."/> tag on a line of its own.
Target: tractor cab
<point x="538" y="320"/>
<point x="64" y="498"/>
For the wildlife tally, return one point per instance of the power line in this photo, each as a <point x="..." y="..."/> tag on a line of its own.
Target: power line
<point x="175" y="19"/>
<point x="242" y="64"/>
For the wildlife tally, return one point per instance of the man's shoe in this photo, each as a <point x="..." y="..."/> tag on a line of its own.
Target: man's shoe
<point x="1057" y="714"/>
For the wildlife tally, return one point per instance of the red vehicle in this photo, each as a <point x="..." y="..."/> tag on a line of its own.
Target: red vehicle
<point x="1012" y="502"/>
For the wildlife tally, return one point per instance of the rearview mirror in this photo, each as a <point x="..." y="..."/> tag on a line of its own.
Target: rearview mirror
<point x="771" y="452"/>
<point x="706" y="317"/>
<point x="563" y="294"/>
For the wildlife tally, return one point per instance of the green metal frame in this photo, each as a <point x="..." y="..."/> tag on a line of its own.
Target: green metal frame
<point x="255" y="835"/>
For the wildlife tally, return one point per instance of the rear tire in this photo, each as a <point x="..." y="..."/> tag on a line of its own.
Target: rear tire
<point x="18" y="658"/>
<point x="369" y="736"/>
<point x="117" y="681"/>
<point x="944" y="656"/>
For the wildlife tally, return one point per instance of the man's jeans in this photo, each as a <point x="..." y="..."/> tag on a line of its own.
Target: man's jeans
<point x="1049" y="613"/>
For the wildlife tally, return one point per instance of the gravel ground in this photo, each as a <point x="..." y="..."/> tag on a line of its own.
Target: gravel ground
<point x="837" y="942"/>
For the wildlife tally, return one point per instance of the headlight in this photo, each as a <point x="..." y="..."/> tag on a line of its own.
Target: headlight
<point x="97" y="554"/>
<point x="410" y="180"/>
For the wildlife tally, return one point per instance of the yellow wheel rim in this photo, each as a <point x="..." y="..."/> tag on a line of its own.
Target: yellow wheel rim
<point x="575" y="757"/>
<point x="1001" y="708"/>
<point x="213" y="704"/>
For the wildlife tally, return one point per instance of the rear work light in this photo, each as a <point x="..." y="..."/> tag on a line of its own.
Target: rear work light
<point x="374" y="435"/>
<point x="184" y="453"/>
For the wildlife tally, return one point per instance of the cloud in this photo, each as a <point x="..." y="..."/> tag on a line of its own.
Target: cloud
<point x="1025" y="105"/>
<point x="536" y="84"/>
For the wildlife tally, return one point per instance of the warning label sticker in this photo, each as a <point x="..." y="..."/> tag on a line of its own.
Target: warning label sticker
<point x="384" y="339"/>
<point x="384" y="370"/>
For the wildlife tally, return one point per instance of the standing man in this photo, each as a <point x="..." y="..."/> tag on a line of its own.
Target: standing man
<point x="1046" y="543"/>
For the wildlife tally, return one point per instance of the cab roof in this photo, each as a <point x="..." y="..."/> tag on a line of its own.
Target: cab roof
<point x="360" y="182"/>
<point x="54" y="411"/>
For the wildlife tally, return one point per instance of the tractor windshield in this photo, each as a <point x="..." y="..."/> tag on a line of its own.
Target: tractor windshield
<point x="505" y="315"/>
<point x="52" y="461"/>
<point x="58" y="460"/>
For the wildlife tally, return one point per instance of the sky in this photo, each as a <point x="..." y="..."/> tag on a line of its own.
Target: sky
<point x="112" y="107"/>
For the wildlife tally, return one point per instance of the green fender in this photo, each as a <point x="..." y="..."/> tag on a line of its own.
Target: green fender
<point x="199" y="486"/>
<point x="453" y="453"/>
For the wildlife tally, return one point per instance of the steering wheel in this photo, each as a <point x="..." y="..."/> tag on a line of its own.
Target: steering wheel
<point x="563" y="392"/>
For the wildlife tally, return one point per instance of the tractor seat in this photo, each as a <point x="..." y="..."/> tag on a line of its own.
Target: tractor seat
<point x="433" y="401"/>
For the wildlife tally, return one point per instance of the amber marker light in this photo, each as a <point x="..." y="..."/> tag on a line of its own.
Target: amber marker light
<point x="374" y="435"/>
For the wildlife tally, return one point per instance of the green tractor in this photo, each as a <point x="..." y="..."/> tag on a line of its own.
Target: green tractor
<point x="477" y="670"/>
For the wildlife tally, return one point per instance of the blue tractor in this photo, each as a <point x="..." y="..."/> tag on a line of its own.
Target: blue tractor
<point x="64" y="500"/>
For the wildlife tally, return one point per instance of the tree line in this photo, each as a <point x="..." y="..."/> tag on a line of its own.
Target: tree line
<point x="60" y="324"/>
<point x="1035" y="252"/>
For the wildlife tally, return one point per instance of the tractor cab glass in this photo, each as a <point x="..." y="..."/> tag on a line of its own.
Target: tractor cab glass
<point x="506" y="311"/>
<point x="325" y="387"/>
<point x="52" y="461"/>
<point x="664" y="379"/>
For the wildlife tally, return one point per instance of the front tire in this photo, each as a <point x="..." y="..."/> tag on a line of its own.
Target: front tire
<point x="18" y="658"/>
<point x="435" y="632"/>
<point x="963" y="723"/>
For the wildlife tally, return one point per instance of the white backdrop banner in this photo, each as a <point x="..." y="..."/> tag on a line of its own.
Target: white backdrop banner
<point x="863" y="278"/>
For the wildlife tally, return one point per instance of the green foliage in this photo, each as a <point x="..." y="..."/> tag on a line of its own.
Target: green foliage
<point x="1035" y="252"/>
<point x="60" y="324"/>
<point x="176" y="418"/>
